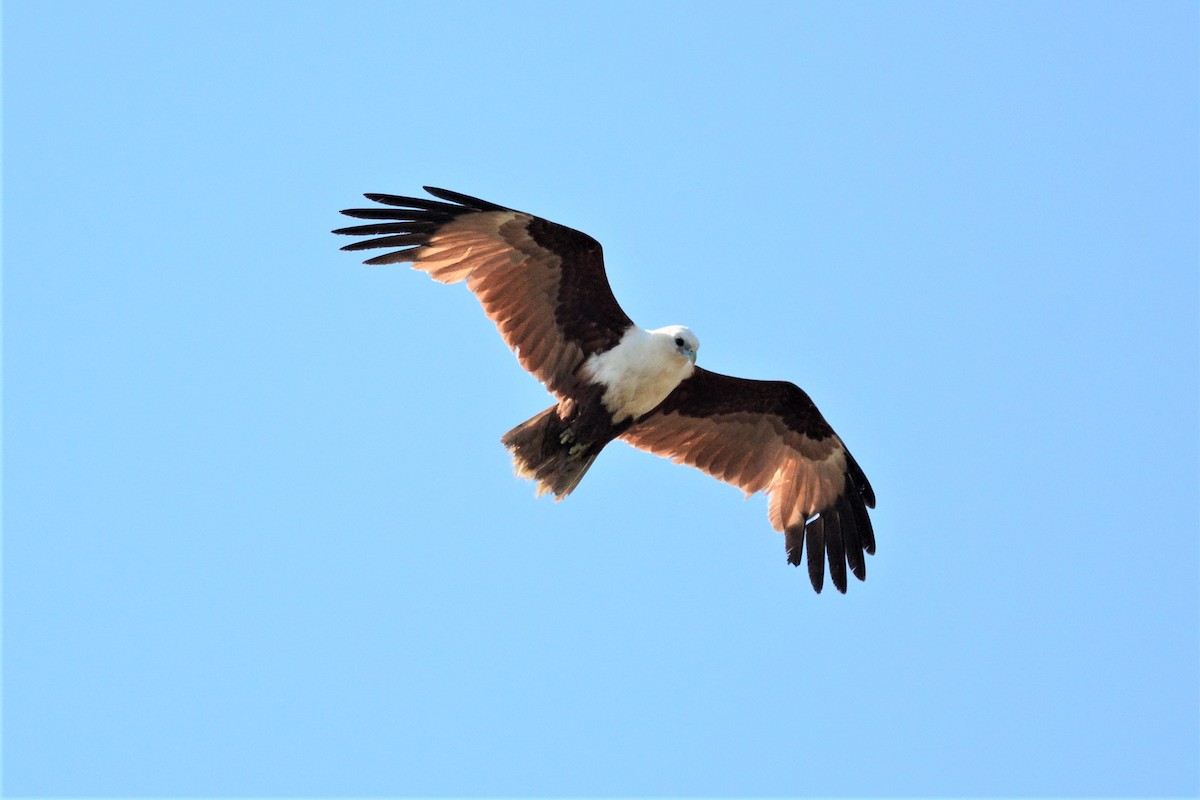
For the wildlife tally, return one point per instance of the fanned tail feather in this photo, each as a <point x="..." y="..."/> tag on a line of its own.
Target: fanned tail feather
<point x="540" y="454"/>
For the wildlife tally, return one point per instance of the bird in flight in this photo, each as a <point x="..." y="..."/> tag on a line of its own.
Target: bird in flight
<point x="544" y="286"/>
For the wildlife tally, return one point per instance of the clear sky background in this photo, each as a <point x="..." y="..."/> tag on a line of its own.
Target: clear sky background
<point x="260" y="537"/>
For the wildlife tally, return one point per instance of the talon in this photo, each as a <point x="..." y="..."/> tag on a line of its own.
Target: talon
<point x="567" y="436"/>
<point x="577" y="450"/>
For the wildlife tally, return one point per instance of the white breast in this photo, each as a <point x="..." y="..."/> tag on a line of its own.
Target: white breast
<point x="638" y="373"/>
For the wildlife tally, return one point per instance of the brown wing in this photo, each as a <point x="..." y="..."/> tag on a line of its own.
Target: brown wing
<point x="767" y="436"/>
<point x="543" y="284"/>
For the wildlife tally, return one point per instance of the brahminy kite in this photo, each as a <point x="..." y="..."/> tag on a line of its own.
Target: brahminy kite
<point x="544" y="286"/>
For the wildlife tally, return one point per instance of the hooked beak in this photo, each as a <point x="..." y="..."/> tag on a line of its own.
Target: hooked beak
<point x="691" y="354"/>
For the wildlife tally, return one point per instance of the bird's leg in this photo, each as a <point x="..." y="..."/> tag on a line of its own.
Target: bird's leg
<point x="577" y="450"/>
<point x="567" y="436"/>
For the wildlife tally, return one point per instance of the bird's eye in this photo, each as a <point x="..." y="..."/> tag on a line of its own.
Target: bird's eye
<point x="679" y="341"/>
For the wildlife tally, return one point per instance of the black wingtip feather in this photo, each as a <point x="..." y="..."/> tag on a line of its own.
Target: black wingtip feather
<point x="860" y="481"/>
<point x="386" y="227"/>
<point x="399" y="240"/>
<point x="793" y="539"/>
<point x="815" y="542"/>
<point x="866" y="532"/>
<point x="851" y="536"/>
<point x="397" y="214"/>
<point x="464" y="199"/>
<point x="398" y="257"/>
<point x="835" y="548"/>
<point x="413" y="202"/>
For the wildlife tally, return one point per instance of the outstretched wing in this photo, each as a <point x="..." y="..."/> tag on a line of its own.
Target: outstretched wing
<point x="543" y="284"/>
<point x="767" y="436"/>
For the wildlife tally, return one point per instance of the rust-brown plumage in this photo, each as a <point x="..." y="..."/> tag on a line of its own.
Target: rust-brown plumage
<point x="544" y="287"/>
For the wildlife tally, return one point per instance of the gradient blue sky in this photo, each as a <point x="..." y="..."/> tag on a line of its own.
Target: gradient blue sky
<point x="260" y="537"/>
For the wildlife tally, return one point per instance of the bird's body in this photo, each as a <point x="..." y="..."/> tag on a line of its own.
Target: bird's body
<point x="545" y="288"/>
<point x="642" y="369"/>
<point x="617" y="387"/>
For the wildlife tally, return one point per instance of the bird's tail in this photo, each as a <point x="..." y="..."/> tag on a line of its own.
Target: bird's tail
<point x="544" y="450"/>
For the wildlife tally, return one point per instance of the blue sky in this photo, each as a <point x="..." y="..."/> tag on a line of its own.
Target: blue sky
<point x="260" y="537"/>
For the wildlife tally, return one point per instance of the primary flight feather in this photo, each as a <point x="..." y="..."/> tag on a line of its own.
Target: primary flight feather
<point x="544" y="287"/>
